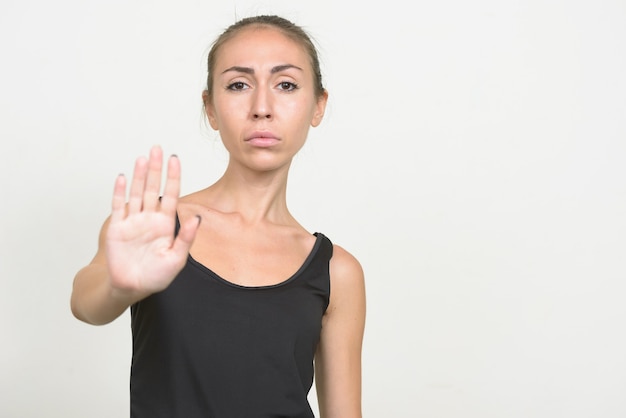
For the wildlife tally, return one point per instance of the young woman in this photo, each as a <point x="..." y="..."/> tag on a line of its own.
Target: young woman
<point x="233" y="301"/>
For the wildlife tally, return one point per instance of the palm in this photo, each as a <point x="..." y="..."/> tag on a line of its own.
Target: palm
<point x="142" y="253"/>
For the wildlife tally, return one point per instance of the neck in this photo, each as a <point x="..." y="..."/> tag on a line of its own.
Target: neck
<point x="255" y="196"/>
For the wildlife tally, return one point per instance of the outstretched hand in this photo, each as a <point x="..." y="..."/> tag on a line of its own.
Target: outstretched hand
<point x="142" y="254"/>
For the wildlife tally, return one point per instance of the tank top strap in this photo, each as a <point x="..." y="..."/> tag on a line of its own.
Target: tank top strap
<point x="177" y="226"/>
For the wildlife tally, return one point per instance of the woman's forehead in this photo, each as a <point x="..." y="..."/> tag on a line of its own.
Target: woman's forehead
<point x="261" y="44"/>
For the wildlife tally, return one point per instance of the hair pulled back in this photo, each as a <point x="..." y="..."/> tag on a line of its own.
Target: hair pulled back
<point x="289" y="29"/>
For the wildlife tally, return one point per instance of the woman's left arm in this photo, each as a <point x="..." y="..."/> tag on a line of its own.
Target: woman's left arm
<point x="338" y="357"/>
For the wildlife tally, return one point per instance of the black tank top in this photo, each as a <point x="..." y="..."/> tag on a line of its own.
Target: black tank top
<point x="206" y="347"/>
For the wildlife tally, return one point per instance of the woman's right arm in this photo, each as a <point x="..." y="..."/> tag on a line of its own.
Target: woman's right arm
<point x="138" y="253"/>
<point x="93" y="298"/>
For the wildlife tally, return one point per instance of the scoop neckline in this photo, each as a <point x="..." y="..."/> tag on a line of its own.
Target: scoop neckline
<point x="293" y="277"/>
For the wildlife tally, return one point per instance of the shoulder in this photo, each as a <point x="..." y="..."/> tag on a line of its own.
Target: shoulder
<point x="347" y="278"/>
<point x="344" y="265"/>
<point x="190" y="205"/>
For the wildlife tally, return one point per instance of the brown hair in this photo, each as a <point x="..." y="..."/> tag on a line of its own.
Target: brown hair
<point x="289" y="29"/>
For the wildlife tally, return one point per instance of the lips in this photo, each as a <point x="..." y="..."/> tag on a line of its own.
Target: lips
<point x="262" y="139"/>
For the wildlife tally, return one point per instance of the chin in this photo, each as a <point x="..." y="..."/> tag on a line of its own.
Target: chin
<point x="265" y="163"/>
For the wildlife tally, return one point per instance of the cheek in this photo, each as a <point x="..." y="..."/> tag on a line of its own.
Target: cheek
<point x="301" y="111"/>
<point x="228" y="112"/>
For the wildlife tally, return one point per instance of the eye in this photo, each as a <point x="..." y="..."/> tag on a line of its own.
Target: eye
<point x="287" y="86"/>
<point x="237" y="86"/>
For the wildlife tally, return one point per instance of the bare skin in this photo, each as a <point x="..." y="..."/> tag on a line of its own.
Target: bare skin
<point x="240" y="225"/>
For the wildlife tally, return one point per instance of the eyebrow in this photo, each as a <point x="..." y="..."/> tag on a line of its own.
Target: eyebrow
<point x="274" y="70"/>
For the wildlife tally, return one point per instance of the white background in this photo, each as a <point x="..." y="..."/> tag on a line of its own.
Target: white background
<point x="473" y="157"/>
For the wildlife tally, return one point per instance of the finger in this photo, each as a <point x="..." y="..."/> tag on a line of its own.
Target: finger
<point x="172" y="186"/>
<point x="186" y="235"/>
<point x="153" y="180"/>
<point x="137" y="186"/>
<point x="119" y="198"/>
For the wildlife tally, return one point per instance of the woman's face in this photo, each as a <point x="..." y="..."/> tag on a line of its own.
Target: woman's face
<point x="263" y="98"/>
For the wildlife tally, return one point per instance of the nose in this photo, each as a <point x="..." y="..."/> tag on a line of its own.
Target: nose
<point x="261" y="104"/>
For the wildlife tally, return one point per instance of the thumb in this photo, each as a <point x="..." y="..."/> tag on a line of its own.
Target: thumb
<point x="186" y="235"/>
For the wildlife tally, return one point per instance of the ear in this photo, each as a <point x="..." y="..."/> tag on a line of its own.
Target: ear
<point x="320" y="108"/>
<point x="209" y="109"/>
